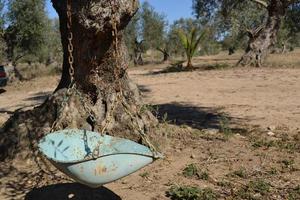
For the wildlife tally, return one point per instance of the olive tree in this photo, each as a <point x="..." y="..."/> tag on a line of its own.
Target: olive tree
<point x="261" y="37"/>
<point x="106" y="100"/>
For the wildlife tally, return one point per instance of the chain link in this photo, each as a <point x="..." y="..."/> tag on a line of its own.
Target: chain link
<point x="72" y="89"/>
<point x="70" y="41"/>
<point x="65" y="100"/>
<point x="117" y="54"/>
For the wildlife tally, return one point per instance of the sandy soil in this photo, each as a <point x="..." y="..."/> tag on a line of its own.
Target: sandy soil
<point x="251" y="99"/>
<point x="264" y="97"/>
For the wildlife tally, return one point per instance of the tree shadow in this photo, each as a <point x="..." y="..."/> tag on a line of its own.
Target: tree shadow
<point x="4" y="111"/>
<point x="174" y="68"/>
<point x="195" y="117"/>
<point x="39" y="97"/>
<point x="217" y="59"/>
<point x="2" y="90"/>
<point x="144" y="89"/>
<point x="74" y="190"/>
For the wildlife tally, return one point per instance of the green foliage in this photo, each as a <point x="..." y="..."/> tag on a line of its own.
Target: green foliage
<point x="191" y="193"/>
<point x="288" y="35"/>
<point x="26" y="27"/>
<point x="288" y="164"/>
<point x="53" y="51"/>
<point x="291" y="25"/>
<point x="290" y="144"/>
<point x="253" y="188"/>
<point x="144" y="175"/>
<point x="241" y="173"/>
<point x="132" y="33"/>
<point x="294" y="193"/>
<point x="203" y="175"/>
<point x="232" y="19"/>
<point x="28" y="35"/>
<point x="174" y="43"/>
<point x="190" y="42"/>
<point x="224" y="184"/>
<point x="191" y="171"/>
<point x="153" y="27"/>
<point x="2" y="15"/>
<point x="259" y="186"/>
<point x="2" y="26"/>
<point x="245" y="16"/>
<point x="146" y="31"/>
<point x="225" y="126"/>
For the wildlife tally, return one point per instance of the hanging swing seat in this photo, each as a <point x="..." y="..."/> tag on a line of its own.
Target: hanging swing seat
<point x="93" y="159"/>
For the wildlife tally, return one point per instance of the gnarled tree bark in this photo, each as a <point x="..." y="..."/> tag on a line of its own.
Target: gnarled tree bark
<point x="104" y="87"/>
<point x="264" y="37"/>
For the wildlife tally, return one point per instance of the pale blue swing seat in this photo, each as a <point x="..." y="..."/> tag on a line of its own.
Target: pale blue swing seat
<point x="89" y="157"/>
<point x="93" y="159"/>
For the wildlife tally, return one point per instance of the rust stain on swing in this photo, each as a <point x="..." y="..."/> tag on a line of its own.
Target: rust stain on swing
<point x="100" y="170"/>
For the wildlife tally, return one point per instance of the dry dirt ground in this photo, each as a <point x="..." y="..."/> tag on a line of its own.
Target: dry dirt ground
<point x="229" y="134"/>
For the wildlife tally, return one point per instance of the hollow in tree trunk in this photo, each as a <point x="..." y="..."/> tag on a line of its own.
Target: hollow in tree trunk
<point x="264" y="37"/>
<point x="104" y="87"/>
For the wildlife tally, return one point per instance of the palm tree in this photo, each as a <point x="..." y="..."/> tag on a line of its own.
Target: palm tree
<point x="190" y="41"/>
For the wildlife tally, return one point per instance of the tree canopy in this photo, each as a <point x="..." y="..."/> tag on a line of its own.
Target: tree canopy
<point x="274" y="20"/>
<point x="26" y="32"/>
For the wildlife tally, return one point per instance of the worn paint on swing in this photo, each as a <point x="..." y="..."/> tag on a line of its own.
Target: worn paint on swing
<point x="73" y="153"/>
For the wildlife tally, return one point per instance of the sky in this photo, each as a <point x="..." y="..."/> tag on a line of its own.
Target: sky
<point x="173" y="9"/>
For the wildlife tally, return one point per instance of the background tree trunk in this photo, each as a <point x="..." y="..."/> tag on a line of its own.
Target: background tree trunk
<point x="138" y="51"/>
<point x="103" y="87"/>
<point x="261" y="39"/>
<point x="165" y="53"/>
<point x="189" y="65"/>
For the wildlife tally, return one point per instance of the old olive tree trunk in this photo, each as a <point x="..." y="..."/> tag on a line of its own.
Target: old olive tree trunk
<point x="103" y="86"/>
<point x="264" y="37"/>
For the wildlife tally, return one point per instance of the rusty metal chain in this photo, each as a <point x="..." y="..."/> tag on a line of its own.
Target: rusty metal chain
<point x="72" y="85"/>
<point x="70" y="40"/>
<point x="64" y="102"/>
<point x="116" y="57"/>
<point x="72" y="89"/>
<point x="85" y="106"/>
<point x="120" y="97"/>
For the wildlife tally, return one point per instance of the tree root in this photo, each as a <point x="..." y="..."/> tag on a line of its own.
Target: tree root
<point x="24" y="126"/>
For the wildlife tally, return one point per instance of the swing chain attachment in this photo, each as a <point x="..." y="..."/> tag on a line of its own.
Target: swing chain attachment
<point x="65" y="99"/>
<point x="72" y="87"/>
<point x="117" y="54"/>
<point x="70" y="41"/>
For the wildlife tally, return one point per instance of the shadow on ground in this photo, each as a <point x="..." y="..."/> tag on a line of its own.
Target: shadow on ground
<point x="39" y="97"/>
<point x="3" y="111"/>
<point x="203" y="67"/>
<point x="71" y="191"/>
<point x="171" y="69"/>
<point x="144" y="89"/>
<point x="2" y="90"/>
<point x="195" y="117"/>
